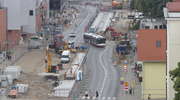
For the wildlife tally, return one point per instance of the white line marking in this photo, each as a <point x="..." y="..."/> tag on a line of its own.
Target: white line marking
<point x="105" y="71"/>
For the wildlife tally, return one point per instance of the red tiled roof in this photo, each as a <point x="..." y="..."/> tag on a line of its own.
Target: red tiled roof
<point x="146" y="45"/>
<point x="176" y="0"/>
<point x="173" y="6"/>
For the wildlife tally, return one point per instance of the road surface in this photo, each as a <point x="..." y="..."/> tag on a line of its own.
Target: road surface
<point x="103" y="76"/>
<point x="87" y="12"/>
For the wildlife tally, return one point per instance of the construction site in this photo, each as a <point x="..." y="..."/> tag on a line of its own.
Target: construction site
<point x="52" y="67"/>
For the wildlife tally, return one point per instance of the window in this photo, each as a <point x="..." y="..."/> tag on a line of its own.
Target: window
<point x="160" y="26"/>
<point x="155" y="27"/>
<point x="164" y="26"/>
<point x="158" y="43"/>
<point x="31" y="13"/>
<point x="147" y="27"/>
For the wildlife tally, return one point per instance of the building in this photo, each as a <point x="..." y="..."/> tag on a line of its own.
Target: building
<point x="152" y="24"/>
<point x="24" y="16"/>
<point x="56" y="7"/>
<point x="151" y="47"/>
<point x="172" y="15"/>
<point x="3" y="28"/>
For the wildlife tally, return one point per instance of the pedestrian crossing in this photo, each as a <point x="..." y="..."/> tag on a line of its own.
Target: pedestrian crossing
<point x="99" y="98"/>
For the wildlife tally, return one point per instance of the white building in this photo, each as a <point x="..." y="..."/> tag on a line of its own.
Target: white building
<point x="23" y="14"/>
<point x="172" y="15"/>
<point x="152" y="24"/>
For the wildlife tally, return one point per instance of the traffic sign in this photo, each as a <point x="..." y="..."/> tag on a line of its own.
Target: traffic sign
<point x="126" y="84"/>
<point x="125" y="68"/>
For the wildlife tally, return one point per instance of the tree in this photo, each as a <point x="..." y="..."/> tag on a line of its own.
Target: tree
<point x="150" y="8"/>
<point x="175" y="77"/>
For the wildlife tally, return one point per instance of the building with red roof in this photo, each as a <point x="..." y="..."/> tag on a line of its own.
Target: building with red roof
<point x="151" y="45"/>
<point x="151" y="54"/>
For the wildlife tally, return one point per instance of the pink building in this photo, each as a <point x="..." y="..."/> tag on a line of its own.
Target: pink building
<point x="3" y="28"/>
<point x="41" y="15"/>
<point x="13" y="37"/>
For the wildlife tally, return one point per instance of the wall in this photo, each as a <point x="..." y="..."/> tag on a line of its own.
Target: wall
<point x="38" y="22"/>
<point x="29" y="22"/>
<point x="41" y="12"/>
<point x="3" y="28"/>
<point x="14" y="17"/>
<point x="173" y="48"/>
<point x="154" y="80"/>
<point x="18" y="14"/>
<point x="13" y="38"/>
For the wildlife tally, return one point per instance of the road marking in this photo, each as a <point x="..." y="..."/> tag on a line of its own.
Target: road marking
<point x="103" y="98"/>
<point x="109" y="98"/>
<point x="105" y="71"/>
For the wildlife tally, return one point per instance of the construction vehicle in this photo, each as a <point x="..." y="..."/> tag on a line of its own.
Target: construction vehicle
<point x="116" y="4"/>
<point x="50" y="68"/>
<point x="114" y="34"/>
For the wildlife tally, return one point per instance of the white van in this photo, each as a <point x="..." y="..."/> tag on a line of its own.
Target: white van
<point x="65" y="57"/>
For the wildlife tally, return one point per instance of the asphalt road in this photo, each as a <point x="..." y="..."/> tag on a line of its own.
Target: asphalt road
<point x="103" y="75"/>
<point x="87" y="12"/>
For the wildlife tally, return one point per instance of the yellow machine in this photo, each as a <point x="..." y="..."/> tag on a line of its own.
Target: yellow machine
<point x="66" y="47"/>
<point x="48" y="60"/>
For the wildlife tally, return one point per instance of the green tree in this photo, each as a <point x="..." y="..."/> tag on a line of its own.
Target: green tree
<point x="151" y="8"/>
<point x="175" y="77"/>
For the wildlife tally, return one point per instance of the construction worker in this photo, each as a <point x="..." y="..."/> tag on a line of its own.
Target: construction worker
<point x="130" y="91"/>
<point x="149" y="96"/>
<point x="122" y="80"/>
<point x="86" y="94"/>
<point x="97" y="94"/>
<point x="133" y="84"/>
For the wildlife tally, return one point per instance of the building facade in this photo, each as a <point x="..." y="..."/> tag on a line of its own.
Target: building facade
<point x="24" y="15"/>
<point x="151" y="47"/>
<point x="152" y="24"/>
<point x="172" y="15"/>
<point x="3" y="28"/>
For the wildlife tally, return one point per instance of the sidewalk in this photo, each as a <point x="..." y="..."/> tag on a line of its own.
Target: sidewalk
<point x="126" y="73"/>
